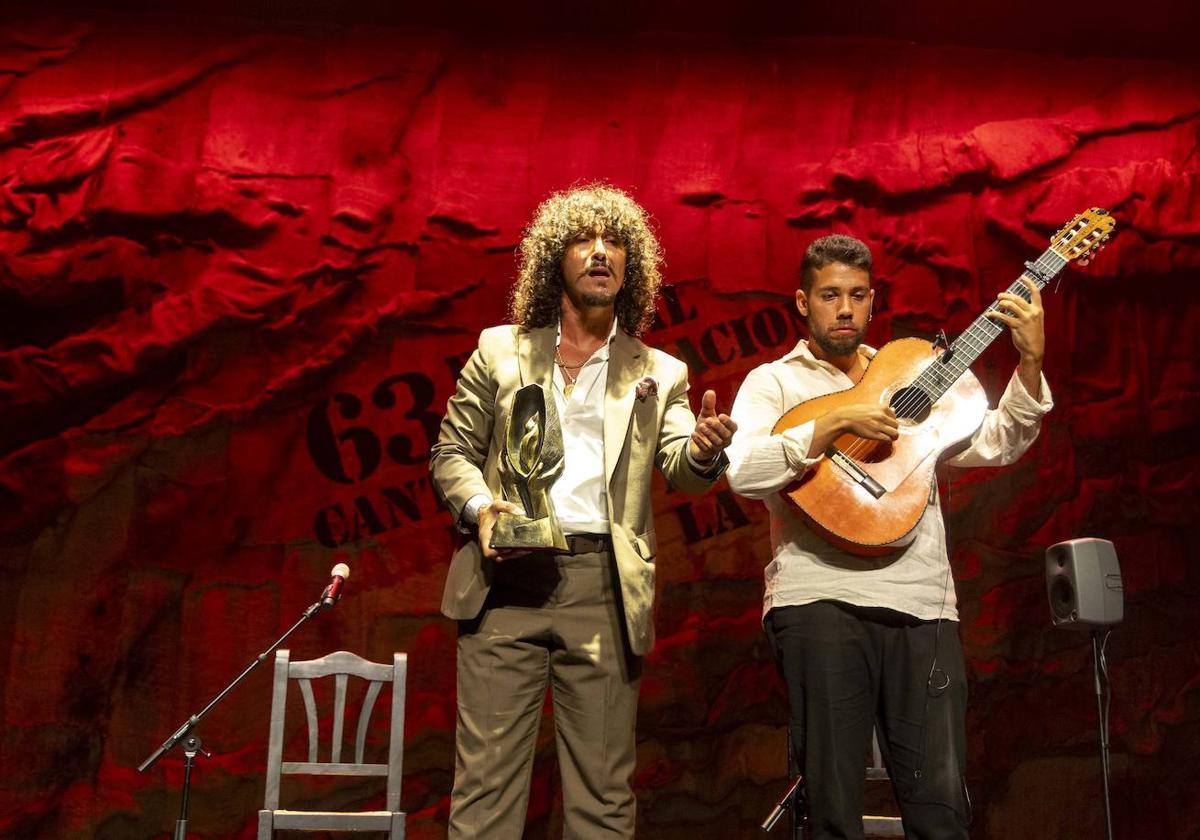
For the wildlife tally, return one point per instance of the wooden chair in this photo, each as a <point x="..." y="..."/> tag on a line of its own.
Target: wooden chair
<point x="341" y="666"/>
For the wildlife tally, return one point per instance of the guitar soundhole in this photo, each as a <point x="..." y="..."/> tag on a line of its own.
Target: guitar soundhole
<point x="911" y="404"/>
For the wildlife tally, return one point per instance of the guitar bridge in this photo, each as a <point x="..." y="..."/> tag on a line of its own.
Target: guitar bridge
<point x="852" y="468"/>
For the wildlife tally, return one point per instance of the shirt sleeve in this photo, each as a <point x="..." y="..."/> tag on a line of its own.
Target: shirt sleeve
<point x="1009" y="429"/>
<point x="701" y="467"/>
<point x="470" y="511"/>
<point x="762" y="463"/>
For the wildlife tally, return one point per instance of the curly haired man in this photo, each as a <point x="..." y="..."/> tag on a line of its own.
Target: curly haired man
<point x="578" y="621"/>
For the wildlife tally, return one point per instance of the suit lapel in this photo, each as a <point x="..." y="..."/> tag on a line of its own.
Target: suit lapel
<point x="626" y="361"/>
<point x="535" y="355"/>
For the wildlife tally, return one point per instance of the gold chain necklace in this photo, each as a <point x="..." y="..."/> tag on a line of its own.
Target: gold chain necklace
<point x="566" y="371"/>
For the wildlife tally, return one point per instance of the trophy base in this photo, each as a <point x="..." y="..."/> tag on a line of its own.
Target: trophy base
<point x="514" y="531"/>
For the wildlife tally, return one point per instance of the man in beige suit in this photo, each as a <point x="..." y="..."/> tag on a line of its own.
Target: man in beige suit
<point x="578" y="620"/>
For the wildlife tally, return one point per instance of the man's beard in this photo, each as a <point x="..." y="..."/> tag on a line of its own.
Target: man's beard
<point x="836" y="346"/>
<point x="598" y="299"/>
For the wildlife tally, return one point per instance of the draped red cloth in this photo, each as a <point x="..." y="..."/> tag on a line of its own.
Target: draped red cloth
<point x="241" y="264"/>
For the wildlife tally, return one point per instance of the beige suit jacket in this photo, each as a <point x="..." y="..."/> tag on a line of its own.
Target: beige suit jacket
<point x="637" y="436"/>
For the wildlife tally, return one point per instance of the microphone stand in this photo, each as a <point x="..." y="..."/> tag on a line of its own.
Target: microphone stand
<point x="191" y="744"/>
<point x="1097" y="667"/>
<point x="792" y="801"/>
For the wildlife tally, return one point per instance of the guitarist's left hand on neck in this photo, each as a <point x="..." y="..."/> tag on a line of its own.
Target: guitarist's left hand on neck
<point x="1024" y="319"/>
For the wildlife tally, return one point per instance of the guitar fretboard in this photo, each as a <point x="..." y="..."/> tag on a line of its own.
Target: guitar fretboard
<point x="936" y="379"/>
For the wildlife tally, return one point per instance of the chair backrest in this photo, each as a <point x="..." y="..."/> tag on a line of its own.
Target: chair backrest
<point x="341" y="666"/>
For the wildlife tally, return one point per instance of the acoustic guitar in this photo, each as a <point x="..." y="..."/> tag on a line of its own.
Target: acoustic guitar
<point x="867" y="496"/>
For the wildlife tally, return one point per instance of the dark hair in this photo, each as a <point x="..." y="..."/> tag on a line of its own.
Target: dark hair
<point x="537" y="295"/>
<point x="835" y="248"/>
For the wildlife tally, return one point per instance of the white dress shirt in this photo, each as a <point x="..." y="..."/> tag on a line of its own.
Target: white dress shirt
<point x="804" y="567"/>
<point x="578" y="495"/>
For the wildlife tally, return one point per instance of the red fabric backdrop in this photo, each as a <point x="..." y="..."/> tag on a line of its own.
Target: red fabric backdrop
<point x="240" y="265"/>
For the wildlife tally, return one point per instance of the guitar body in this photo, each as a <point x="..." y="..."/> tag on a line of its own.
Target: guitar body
<point x="843" y="508"/>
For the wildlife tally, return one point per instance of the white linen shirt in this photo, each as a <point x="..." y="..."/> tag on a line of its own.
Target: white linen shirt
<point x="578" y="494"/>
<point x="804" y="567"/>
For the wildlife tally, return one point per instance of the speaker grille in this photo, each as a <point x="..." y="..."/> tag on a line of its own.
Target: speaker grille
<point x="1062" y="598"/>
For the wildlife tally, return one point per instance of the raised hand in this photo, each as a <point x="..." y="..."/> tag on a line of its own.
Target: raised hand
<point x="1024" y="318"/>
<point x="713" y="431"/>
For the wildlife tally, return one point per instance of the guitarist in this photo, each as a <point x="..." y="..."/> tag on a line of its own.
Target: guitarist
<point x="868" y="642"/>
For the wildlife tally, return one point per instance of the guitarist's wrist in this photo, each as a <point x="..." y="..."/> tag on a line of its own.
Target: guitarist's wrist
<point x="1029" y="371"/>
<point x="826" y="429"/>
<point x="1030" y="368"/>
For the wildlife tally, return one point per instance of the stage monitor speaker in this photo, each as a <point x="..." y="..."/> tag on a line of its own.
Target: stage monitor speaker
<point x="1083" y="580"/>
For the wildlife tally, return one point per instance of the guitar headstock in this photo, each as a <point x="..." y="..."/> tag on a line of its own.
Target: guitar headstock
<point x="1083" y="235"/>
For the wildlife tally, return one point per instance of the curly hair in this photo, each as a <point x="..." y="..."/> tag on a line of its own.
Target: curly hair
<point x="537" y="294"/>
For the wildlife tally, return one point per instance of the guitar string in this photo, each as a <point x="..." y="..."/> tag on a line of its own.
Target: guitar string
<point x="921" y="387"/>
<point x="862" y="446"/>
<point x="972" y="341"/>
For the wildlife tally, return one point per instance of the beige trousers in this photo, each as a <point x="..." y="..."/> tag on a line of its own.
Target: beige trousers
<point x="548" y="620"/>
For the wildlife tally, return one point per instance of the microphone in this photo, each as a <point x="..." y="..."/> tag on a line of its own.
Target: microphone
<point x="793" y="798"/>
<point x="333" y="592"/>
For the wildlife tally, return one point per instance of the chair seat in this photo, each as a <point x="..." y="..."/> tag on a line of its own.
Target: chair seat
<point x="332" y="820"/>
<point x="883" y="827"/>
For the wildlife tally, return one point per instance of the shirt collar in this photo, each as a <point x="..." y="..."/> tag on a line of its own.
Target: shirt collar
<point x="803" y="354"/>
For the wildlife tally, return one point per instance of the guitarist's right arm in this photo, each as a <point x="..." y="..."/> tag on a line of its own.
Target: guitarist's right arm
<point x="868" y="420"/>
<point x="761" y="463"/>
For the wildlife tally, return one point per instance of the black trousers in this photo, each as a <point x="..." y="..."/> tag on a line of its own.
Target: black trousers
<point x="849" y="669"/>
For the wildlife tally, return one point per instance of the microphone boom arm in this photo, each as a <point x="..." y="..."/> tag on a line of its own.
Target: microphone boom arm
<point x="190" y="724"/>
<point x="191" y="744"/>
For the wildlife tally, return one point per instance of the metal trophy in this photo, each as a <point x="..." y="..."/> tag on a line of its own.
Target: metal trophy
<point x="530" y="461"/>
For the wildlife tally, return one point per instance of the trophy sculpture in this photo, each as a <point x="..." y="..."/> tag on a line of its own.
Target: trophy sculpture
<point x="530" y="461"/>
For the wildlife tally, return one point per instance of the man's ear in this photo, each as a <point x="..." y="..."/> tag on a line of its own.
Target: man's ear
<point x="802" y="302"/>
